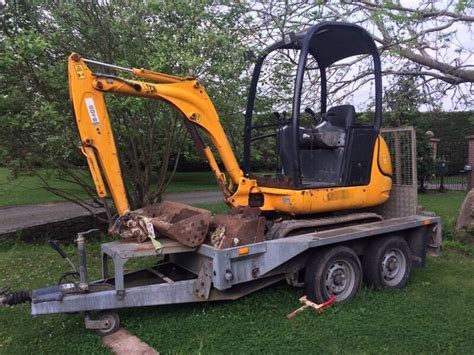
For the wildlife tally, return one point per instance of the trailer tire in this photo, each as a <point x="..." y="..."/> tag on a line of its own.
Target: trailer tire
<point x="387" y="263"/>
<point x="113" y="322"/>
<point x="336" y="271"/>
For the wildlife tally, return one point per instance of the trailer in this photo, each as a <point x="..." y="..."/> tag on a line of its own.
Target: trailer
<point x="379" y="246"/>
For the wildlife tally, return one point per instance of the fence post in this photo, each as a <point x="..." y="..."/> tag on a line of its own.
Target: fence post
<point x="470" y="161"/>
<point x="434" y="147"/>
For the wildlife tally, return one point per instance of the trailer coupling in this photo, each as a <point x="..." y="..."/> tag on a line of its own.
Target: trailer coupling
<point x="45" y="294"/>
<point x="8" y="298"/>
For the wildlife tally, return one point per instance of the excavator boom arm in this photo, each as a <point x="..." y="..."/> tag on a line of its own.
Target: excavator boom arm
<point x="97" y="142"/>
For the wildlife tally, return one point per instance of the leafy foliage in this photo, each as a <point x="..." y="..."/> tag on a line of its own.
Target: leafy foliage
<point x="184" y="38"/>
<point x="452" y="128"/>
<point x="403" y="101"/>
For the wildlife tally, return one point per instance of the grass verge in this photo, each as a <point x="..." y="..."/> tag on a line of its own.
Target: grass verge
<point x="446" y="205"/>
<point x="30" y="189"/>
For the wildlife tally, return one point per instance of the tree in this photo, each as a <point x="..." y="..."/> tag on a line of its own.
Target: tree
<point x="429" y="40"/>
<point x="425" y="163"/>
<point x="205" y="39"/>
<point x="402" y="102"/>
<point x="200" y="39"/>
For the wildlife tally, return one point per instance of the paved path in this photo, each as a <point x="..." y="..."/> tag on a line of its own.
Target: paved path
<point x="123" y="343"/>
<point x="193" y="198"/>
<point x="14" y="218"/>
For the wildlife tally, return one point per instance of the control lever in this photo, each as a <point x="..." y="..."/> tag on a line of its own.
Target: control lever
<point x="309" y="111"/>
<point x="281" y="118"/>
<point x="317" y="120"/>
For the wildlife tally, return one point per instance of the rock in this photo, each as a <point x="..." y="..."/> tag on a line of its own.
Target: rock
<point x="466" y="215"/>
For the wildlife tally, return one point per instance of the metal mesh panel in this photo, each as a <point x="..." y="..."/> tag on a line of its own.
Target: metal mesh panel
<point x="403" y="197"/>
<point x="402" y="145"/>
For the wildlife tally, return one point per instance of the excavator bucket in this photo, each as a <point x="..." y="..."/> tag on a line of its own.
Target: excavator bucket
<point x="186" y="224"/>
<point x="238" y="227"/>
<point x="192" y="226"/>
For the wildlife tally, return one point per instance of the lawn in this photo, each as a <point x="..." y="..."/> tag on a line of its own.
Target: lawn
<point x="197" y="181"/>
<point x="445" y="205"/>
<point x="433" y="314"/>
<point x="29" y="189"/>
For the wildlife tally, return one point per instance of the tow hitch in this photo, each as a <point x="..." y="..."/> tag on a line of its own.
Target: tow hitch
<point x="55" y="293"/>
<point x="8" y="298"/>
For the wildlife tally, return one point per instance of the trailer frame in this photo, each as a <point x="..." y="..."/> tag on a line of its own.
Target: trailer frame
<point x="211" y="274"/>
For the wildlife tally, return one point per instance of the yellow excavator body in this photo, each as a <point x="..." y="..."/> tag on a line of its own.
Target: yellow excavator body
<point x="329" y="199"/>
<point x="191" y="100"/>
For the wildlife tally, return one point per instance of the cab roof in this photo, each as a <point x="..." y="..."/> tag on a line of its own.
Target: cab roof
<point x="329" y="42"/>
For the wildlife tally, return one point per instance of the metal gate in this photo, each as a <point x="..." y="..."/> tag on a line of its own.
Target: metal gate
<point x="450" y="172"/>
<point x="448" y="182"/>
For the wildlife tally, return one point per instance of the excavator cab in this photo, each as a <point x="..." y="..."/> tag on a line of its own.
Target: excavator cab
<point x="335" y="148"/>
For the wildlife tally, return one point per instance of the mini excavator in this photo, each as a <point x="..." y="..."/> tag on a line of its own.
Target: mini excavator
<point x="328" y="174"/>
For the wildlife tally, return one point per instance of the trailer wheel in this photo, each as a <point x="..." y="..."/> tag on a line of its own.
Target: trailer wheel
<point x="387" y="263"/>
<point x="112" y="321"/>
<point x="337" y="272"/>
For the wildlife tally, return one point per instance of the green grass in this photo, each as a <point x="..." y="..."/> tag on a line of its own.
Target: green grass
<point x="197" y="181"/>
<point x="28" y="266"/>
<point x="29" y="189"/>
<point x="445" y="204"/>
<point x="433" y="314"/>
<point x="214" y="207"/>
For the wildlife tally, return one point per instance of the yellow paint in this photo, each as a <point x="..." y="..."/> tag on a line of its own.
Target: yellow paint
<point x="95" y="171"/>
<point x="96" y="139"/>
<point x="322" y="199"/>
<point x="191" y="99"/>
<point x="338" y="195"/>
<point x="384" y="158"/>
<point x="244" y="251"/>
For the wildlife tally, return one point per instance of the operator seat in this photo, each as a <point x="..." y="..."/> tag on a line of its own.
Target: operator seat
<point x="321" y="148"/>
<point x="341" y="116"/>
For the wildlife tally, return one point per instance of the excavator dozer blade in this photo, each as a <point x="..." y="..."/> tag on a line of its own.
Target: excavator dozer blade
<point x="186" y="224"/>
